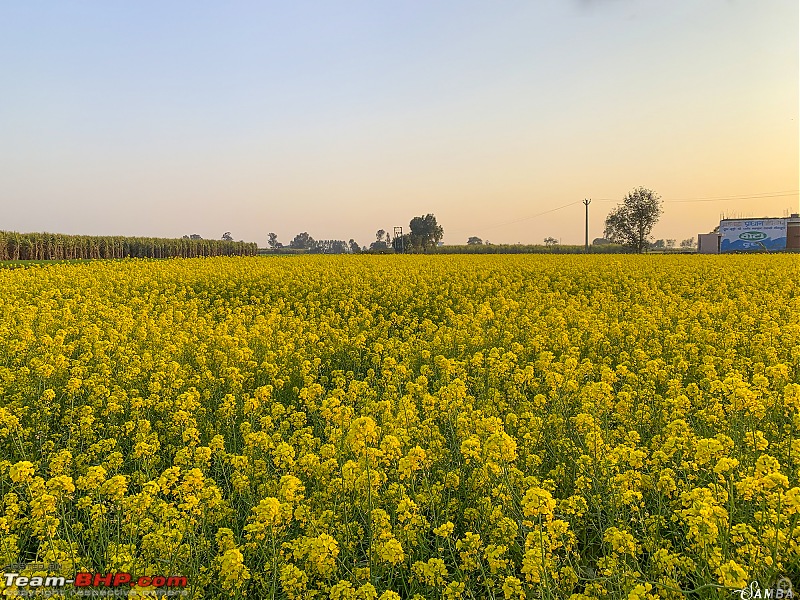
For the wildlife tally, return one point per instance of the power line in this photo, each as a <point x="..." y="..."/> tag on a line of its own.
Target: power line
<point x="779" y="194"/>
<point x="533" y="216"/>
<point x="721" y="198"/>
<point x="755" y="197"/>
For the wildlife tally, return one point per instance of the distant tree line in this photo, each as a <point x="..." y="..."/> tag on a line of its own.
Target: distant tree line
<point x="57" y="246"/>
<point x="304" y="243"/>
<point x="627" y="230"/>
<point x="687" y="244"/>
<point x="530" y="249"/>
<point x="423" y="236"/>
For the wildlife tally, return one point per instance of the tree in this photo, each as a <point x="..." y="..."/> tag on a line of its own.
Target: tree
<point x="425" y="232"/>
<point x="474" y="241"/>
<point x="302" y="241"/>
<point x="550" y="241"/>
<point x="658" y="245"/>
<point x="194" y="236"/>
<point x="328" y="247"/>
<point x="273" y="241"/>
<point x="631" y="222"/>
<point x="688" y="243"/>
<point x="670" y="243"/>
<point x="600" y="242"/>
<point x="227" y="236"/>
<point x="402" y="243"/>
<point x="354" y="247"/>
<point x="381" y="240"/>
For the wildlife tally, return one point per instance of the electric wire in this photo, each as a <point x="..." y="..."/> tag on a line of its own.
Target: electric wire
<point x="777" y="194"/>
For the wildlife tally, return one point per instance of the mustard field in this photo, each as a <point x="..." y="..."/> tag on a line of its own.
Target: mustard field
<point x="385" y="427"/>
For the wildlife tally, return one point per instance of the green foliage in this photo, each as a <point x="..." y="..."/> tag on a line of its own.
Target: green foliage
<point x="426" y="233"/>
<point x="330" y="247"/>
<point x="631" y="222"/>
<point x="56" y="246"/>
<point x="302" y="241"/>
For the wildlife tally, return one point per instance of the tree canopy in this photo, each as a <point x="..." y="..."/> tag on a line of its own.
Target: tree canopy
<point x="382" y="240"/>
<point x="631" y="222"/>
<point x="425" y="232"/>
<point x="302" y="241"/>
<point x="273" y="241"/>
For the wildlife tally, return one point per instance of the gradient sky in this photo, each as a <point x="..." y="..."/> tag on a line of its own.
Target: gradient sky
<point x="340" y="118"/>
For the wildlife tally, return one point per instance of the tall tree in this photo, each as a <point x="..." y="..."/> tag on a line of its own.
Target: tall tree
<point x="425" y="232"/>
<point x="474" y="241"/>
<point x="631" y="222"/>
<point x="273" y="241"/>
<point x="302" y="241"/>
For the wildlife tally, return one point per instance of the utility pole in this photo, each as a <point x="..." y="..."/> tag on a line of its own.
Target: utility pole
<point x="586" y="203"/>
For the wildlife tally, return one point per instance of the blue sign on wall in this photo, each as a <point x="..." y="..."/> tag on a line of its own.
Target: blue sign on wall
<point x="752" y="235"/>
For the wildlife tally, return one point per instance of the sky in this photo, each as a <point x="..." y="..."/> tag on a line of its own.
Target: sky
<point x="341" y="118"/>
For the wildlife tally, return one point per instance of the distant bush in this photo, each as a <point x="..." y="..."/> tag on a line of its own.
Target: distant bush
<point x="529" y="249"/>
<point x="282" y="251"/>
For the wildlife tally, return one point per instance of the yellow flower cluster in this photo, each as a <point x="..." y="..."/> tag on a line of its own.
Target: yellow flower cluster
<point x="376" y="428"/>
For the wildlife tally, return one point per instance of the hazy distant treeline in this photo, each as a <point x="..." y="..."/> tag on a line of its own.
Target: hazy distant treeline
<point x="529" y="249"/>
<point x="57" y="246"/>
